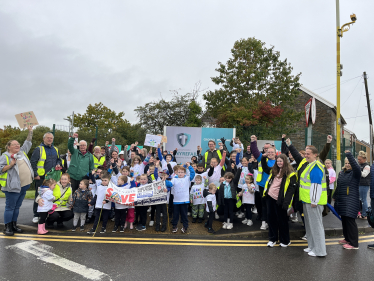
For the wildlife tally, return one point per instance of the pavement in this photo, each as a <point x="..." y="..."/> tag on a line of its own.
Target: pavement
<point x="332" y="225"/>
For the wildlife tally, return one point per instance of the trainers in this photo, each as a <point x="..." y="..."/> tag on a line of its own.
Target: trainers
<point x="307" y="250"/>
<point x="157" y="228"/>
<point x="163" y="228"/>
<point x="250" y="223"/>
<point x="271" y="244"/>
<point x="371" y="246"/>
<point x="35" y="219"/>
<point x="81" y="228"/>
<point x="151" y="223"/>
<point x="194" y="220"/>
<point x="343" y="242"/>
<point x="264" y="225"/>
<point x="245" y="221"/>
<point x="285" y="245"/>
<point x="216" y="216"/>
<point x="224" y="226"/>
<point x="122" y="229"/>
<point x="310" y="253"/>
<point x="200" y="220"/>
<point x="349" y="247"/>
<point x="92" y="231"/>
<point x="103" y="230"/>
<point x="188" y="214"/>
<point x="295" y="220"/>
<point x="143" y="228"/>
<point x="210" y="230"/>
<point x="206" y="225"/>
<point x="240" y="216"/>
<point x="304" y="237"/>
<point x="230" y="225"/>
<point x="184" y="230"/>
<point x="139" y="227"/>
<point x="115" y="229"/>
<point x="175" y="229"/>
<point x="74" y="228"/>
<point x="149" y="210"/>
<point x="254" y="210"/>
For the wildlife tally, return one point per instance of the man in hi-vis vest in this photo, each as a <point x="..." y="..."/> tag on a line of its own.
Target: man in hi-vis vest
<point x="43" y="159"/>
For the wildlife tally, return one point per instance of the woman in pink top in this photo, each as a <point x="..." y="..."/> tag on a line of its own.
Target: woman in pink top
<point x="332" y="179"/>
<point x="279" y="190"/>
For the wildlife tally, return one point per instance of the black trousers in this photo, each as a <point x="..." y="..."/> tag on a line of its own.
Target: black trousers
<point x="258" y="203"/>
<point x="161" y="208"/>
<point x="104" y="217"/>
<point x="120" y="217"/>
<point x="60" y="217"/>
<point x="171" y="208"/>
<point x="264" y="215"/>
<point x="180" y="209"/>
<point x="210" y="220"/>
<point x="153" y="211"/>
<point x="277" y="221"/>
<point x="329" y="192"/>
<point x="248" y="211"/>
<point x="228" y="209"/>
<point x="350" y="230"/>
<point x="74" y="184"/>
<point x="137" y="215"/>
<point x="143" y="214"/>
<point x="35" y="206"/>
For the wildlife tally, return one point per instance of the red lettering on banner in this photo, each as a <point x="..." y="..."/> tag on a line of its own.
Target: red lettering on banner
<point x="132" y="198"/>
<point x="108" y="192"/>
<point x="124" y="198"/>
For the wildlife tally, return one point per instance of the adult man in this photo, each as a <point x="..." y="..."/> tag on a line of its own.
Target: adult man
<point x="248" y="153"/>
<point x="43" y="159"/>
<point x="212" y="152"/>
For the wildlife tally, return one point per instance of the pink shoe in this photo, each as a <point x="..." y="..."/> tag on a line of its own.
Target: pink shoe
<point x="343" y="242"/>
<point x="131" y="225"/>
<point x="349" y="247"/>
<point x="41" y="229"/>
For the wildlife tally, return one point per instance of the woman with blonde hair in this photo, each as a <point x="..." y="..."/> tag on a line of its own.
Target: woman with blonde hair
<point x="364" y="183"/>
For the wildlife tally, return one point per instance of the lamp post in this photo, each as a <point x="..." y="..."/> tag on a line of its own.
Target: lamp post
<point x="339" y="33"/>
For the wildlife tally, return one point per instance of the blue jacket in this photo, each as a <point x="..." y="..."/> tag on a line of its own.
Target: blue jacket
<point x="347" y="199"/>
<point x="50" y="162"/>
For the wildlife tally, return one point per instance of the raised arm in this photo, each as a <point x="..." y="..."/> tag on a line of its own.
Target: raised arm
<point x="159" y="153"/>
<point x="284" y="147"/>
<point x="295" y="154"/>
<point x="326" y="149"/>
<point x="222" y="163"/>
<point x="27" y="143"/>
<point x="71" y="143"/>
<point x="112" y="147"/>
<point x="192" y="171"/>
<point x="254" y="149"/>
<point x="355" y="167"/>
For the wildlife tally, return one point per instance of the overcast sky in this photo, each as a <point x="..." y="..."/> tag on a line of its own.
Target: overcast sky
<point x="59" y="56"/>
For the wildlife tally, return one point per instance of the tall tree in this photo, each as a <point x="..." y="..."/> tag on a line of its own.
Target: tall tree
<point x="255" y="88"/>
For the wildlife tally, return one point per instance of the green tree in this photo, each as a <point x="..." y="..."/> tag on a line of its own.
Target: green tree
<point x="255" y="88"/>
<point x="7" y="134"/>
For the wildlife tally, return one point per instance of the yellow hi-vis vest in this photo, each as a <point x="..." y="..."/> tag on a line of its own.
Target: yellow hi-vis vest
<point x="61" y="202"/>
<point x="305" y="184"/>
<point x="42" y="158"/>
<point x="260" y="171"/>
<point x="3" y="177"/>
<point x="301" y="164"/>
<point x="219" y="155"/>
<point x="287" y="184"/>
<point x="98" y="162"/>
<point x="238" y="201"/>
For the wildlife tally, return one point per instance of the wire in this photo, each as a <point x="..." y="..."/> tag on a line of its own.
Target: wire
<point x="358" y="108"/>
<point x="352" y="91"/>
<point x="335" y="83"/>
<point x="356" y="117"/>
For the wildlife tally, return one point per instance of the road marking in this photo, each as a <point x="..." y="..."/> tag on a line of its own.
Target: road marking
<point x="44" y="253"/>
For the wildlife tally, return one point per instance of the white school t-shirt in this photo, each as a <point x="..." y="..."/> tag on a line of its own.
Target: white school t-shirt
<point x="101" y="191"/>
<point x="93" y="188"/>
<point x="216" y="175"/>
<point x="212" y="198"/>
<point x="197" y="192"/>
<point x="248" y="198"/>
<point x="181" y="189"/>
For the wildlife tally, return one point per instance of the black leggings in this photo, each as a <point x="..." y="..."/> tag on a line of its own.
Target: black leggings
<point x="60" y="217"/>
<point x="42" y="217"/>
<point x="229" y="205"/>
<point x="248" y="211"/>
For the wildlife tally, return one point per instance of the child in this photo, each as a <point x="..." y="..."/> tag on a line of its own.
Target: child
<point x="181" y="186"/>
<point x="332" y="178"/>
<point x="120" y="210"/>
<point x="152" y="177"/>
<point x="248" y="198"/>
<point x="211" y="204"/>
<point x="246" y="168"/>
<point x="80" y="201"/>
<point x="100" y="203"/>
<point x="161" y="208"/>
<point x="215" y="169"/>
<point x="142" y="210"/>
<point x="46" y="193"/>
<point x="227" y="198"/>
<point x="197" y="199"/>
<point x="137" y="166"/>
<point x="166" y="159"/>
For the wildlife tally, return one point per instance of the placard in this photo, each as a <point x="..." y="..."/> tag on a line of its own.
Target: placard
<point x="152" y="140"/>
<point x="164" y="139"/>
<point x="26" y="119"/>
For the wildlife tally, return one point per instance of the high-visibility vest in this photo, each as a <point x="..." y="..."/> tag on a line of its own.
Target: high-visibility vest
<point x="219" y="156"/>
<point x="305" y="184"/>
<point x="61" y="202"/>
<point x="98" y="162"/>
<point x="287" y="184"/>
<point x="238" y="201"/>
<point x="153" y="177"/>
<point x="3" y="177"/>
<point x="42" y="158"/>
<point x="260" y="171"/>
<point x="301" y="164"/>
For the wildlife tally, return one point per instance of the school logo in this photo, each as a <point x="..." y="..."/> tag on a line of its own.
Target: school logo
<point x="183" y="139"/>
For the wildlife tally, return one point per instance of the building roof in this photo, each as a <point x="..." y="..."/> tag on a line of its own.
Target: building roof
<point x="324" y="101"/>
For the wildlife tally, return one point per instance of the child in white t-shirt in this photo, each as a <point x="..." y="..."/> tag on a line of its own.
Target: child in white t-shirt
<point x="197" y="199"/>
<point x="248" y="198"/>
<point x="214" y="172"/>
<point x="211" y="204"/>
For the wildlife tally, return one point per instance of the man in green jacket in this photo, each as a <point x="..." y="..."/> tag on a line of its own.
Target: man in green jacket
<point x="81" y="163"/>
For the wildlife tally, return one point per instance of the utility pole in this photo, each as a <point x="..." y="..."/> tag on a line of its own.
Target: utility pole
<point x="370" y="119"/>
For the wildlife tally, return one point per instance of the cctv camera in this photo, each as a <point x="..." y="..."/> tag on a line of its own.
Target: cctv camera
<point x="353" y="17"/>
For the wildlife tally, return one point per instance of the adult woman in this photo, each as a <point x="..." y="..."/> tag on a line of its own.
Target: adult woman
<point x="16" y="175"/>
<point x="279" y="190"/>
<point x="364" y="182"/>
<point x="346" y="198"/>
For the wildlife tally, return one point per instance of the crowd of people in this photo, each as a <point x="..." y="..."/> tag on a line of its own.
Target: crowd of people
<point x="275" y="186"/>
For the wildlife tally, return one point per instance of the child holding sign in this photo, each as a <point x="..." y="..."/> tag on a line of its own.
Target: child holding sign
<point x="197" y="199"/>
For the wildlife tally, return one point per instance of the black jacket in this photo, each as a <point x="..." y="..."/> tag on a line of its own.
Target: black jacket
<point x="364" y="181"/>
<point x="233" y="185"/>
<point x="80" y="200"/>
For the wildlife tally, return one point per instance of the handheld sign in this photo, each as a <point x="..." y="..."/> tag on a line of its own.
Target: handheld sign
<point x="26" y="119"/>
<point x="152" y="140"/>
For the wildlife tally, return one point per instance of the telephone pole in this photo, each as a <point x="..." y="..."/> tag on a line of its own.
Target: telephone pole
<point x="370" y="119"/>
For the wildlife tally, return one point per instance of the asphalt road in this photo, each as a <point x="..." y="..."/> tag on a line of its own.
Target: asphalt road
<point x="53" y="257"/>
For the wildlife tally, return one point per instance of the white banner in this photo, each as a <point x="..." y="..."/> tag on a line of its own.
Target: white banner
<point x="149" y="194"/>
<point x="185" y="139"/>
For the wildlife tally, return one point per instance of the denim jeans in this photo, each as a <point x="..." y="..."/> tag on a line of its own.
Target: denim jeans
<point x="363" y="197"/>
<point x="13" y="202"/>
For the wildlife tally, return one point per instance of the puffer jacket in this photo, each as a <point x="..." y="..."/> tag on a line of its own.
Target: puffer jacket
<point x="372" y="182"/>
<point x="346" y="196"/>
<point x="80" y="200"/>
<point x="234" y="187"/>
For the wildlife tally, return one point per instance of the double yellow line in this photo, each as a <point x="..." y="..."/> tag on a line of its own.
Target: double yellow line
<point x="167" y="241"/>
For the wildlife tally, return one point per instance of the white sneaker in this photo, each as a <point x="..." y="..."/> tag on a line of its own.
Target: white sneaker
<point x="245" y="221"/>
<point x="307" y="250"/>
<point x="304" y="238"/>
<point x="254" y="210"/>
<point x="312" y="254"/>
<point x="35" y="219"/>
<point x="240" y="216"/>
<point x="161" y="215"/>
<point x="224" y="225"/>
<point x="188" y="214"/>
<point x="230" y="226"/>
<point x="284" y="245"/>
<point x="216" y="216"/>
<point x="151" y="223"/>
<point x="271" y="244"/>
<point x="237" y="214"/>
<point x="295" y="219"/>
<point x="264" y="225"/>
<point x="149" y="210"/>
<point x="250" y="223"/>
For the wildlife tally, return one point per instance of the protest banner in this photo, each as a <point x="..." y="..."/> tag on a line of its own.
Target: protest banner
<point x="116" y="148"/>
<point x="26" y="119"/>
<point x="152" y="140"/>
<point x="146" y="195"/>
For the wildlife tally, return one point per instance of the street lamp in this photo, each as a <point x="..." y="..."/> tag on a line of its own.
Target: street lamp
<point x="339" y="33"/>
